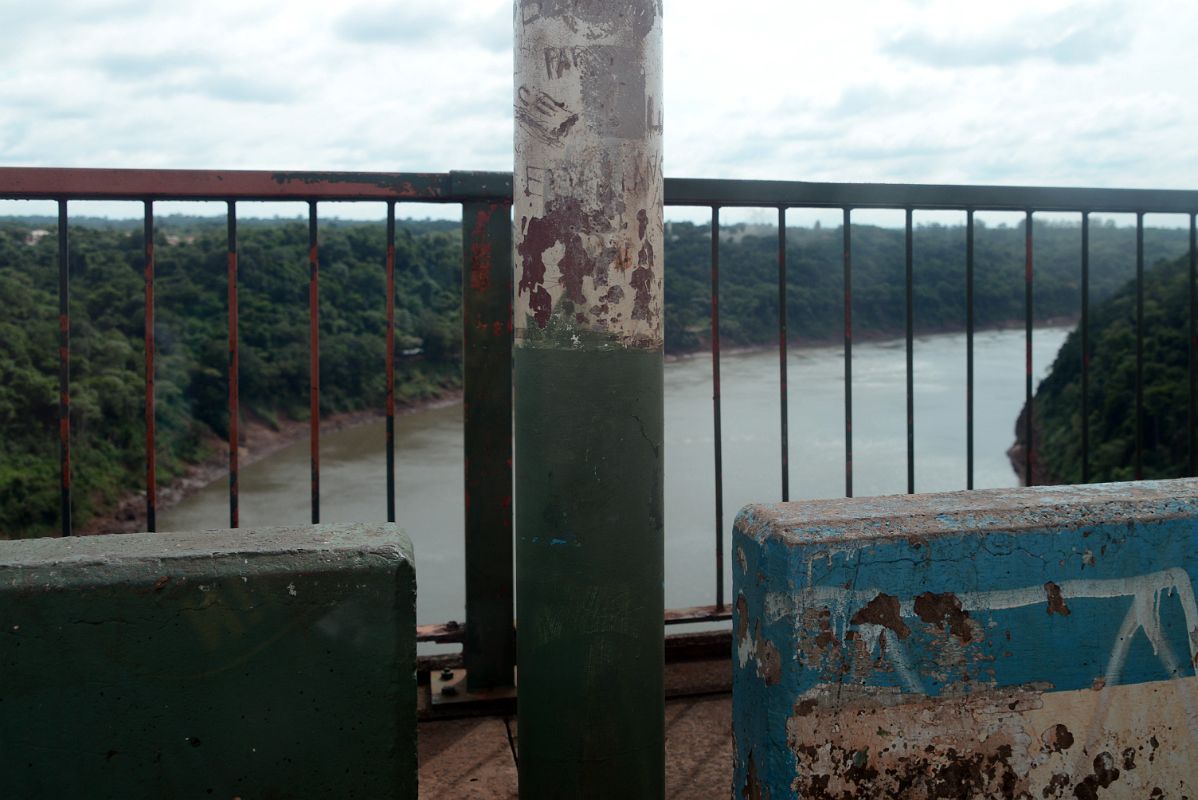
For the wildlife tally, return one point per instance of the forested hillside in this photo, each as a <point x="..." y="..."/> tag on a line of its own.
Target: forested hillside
<point x="1112" y="387"/>
<point x="107" y="350"/>
<point x="107" y="318"/>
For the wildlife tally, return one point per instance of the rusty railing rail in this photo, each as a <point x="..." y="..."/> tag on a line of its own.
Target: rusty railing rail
<point x="487" y="635"/>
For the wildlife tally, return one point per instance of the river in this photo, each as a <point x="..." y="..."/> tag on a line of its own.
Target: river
<point x="429" y="482"/>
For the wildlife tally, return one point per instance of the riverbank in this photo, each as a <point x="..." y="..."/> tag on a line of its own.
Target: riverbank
<point x="869" y="337"/>
<point x="1017" y="455"/>
<point x="259" y="439"/>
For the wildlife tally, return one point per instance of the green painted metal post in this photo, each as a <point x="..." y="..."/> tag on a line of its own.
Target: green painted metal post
<point x="588" y="370"/>
<point x="489" y="652"/>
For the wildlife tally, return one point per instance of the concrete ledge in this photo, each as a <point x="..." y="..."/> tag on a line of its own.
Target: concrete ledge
<point x="270" y="663"/>
<point x="1011" y="643"/>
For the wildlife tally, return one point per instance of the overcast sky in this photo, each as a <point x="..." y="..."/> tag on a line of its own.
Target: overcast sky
<point x="1063" y="92"/>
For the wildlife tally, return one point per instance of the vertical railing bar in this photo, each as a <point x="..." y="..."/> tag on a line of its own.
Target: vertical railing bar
<point x="151" y="450"/>
<point x="1085" y="337"/>
<point x="969" y="324"/>
<point x="1192" y="421"/>
<point x="715" y="402"/>
<point x="314" y="358"/>
<point x="1140" y="345"/>
<point x="1027" y="347"/>
<point x="783" y="335"/>
<point x="234" y="371"/>
<point x="848" y="353"/>
<point x="64" y="370"/>
<point x="910" y="298"/>
<point x="391" y="361"/>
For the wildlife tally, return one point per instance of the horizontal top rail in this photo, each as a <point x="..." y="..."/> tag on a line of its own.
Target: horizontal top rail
<point x="26" y="183"/>
<point x="930" y="197"/>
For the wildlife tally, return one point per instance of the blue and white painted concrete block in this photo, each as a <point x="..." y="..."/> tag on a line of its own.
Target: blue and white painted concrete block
<point x="1009" y="643"/>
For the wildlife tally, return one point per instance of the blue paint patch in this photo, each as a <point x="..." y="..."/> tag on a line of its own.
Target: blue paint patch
<point x="558" y="542"/>
<point x="1030" y="591"/>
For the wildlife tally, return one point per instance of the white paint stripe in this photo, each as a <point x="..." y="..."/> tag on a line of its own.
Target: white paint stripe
<point x="1144" y="613"/>
<point x="902" y="663"/>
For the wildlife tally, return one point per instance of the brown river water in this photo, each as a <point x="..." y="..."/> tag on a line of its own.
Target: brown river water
<point x="429" y="484"/>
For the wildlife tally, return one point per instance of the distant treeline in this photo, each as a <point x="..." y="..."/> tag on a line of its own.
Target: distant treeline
<point x="107" y="319"/>
<point x="815" y="286"/>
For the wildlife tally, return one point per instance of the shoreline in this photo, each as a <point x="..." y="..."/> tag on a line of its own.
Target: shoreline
<point x="872" y="337"/>
<point x="259" y="439"/>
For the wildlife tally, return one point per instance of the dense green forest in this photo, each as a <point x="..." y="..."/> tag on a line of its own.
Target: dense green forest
<point x="1112" y="387"/>
<point x="107" y="318"/>
<point x="107" y="343"/>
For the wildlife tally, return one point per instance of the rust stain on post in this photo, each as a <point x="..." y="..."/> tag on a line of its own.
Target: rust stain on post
<point x="588" y="184"/>
<point x="1056" y="602"/>
<point x="480" y="252"/>
<point x="883" y="610"/>
<point x="944" y="612"/>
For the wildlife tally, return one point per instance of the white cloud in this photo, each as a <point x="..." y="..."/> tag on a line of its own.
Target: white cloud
<point x="1077" y="92"/>
<point x="1078" y="33"/>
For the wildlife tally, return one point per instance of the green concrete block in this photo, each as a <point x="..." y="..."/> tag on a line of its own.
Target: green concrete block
<point x="268" y="663"/>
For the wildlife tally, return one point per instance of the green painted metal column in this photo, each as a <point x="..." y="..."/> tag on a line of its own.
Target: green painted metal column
<point x="587" y="227"/>
<point x="489" y="652"/>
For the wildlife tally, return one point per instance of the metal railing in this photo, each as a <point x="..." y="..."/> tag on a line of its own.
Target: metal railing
<point x="486" y="250"/>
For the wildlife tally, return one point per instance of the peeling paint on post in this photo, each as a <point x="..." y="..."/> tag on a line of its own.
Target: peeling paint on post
<point x="1030" y="643"/>
<point x="587" y="228"/>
